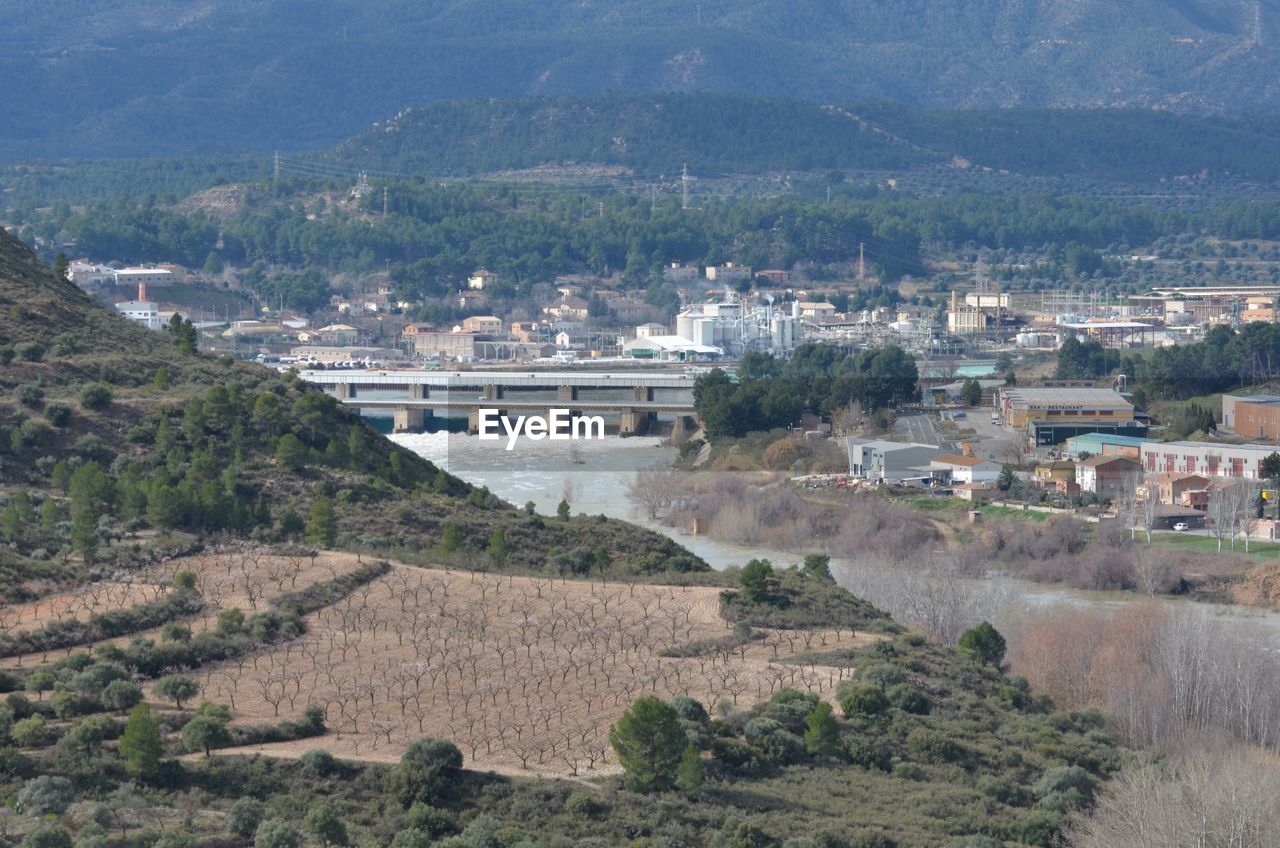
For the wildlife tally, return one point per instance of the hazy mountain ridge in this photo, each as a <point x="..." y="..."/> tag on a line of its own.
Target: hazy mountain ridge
<point x="226" y="75"/>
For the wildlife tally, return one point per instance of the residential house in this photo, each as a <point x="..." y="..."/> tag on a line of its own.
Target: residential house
<point x="527" y="331"/>
<point x="1107" y="476"/>
<point x="1169" y="487"/>
<point x="338" y="335"/>
<point x="490" y="325"/>
<point x="569" y="307"/>
<point x="1049" y="474"/>
<point x="728" y="273"/>
<point x="774" y="277"/>
<point x="481" y="279"/>
<point x="678" y="272"/>
<point x="965" y="468"/>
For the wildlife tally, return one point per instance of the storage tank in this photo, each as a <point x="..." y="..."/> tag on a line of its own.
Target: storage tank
<point x="684" y="324"/>
<point x="903" y="326"/>
<point x="704" y="332"/>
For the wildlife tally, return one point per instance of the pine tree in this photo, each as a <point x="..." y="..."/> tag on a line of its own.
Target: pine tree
<point x="689" y="772"/>
<point x="84" y="532"/>
<point x="452" y="538"/>
<point x="322" y="524"/>
<point x="498" y="549"/>
<point x="140" y="745"/>
<point x="821" y="734"/>
<point x="650" y="744"/>
<point x="562" y="511"/>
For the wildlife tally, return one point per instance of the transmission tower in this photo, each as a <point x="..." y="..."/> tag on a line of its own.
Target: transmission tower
<point x="862" y="261"/>
<point x="275" y="172"/>
<point x="684" y="186"/>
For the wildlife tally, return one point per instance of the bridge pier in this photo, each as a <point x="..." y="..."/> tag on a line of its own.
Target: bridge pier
<point x="344" y="391"/>
<point x="566" y="392"/>
<point x="644" y="393"/>
<point x="494" y="392"/>
<point x="473" y="419"/>
<point x="419" y="391"/>
<point x="682" y="427"/>
<point x="407" y="419"/>
<point x="633" y="422"/>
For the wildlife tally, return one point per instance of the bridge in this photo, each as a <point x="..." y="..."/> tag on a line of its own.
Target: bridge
<point x="422" y="393"/>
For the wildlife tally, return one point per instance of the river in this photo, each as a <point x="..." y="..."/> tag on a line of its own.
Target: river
<point x="593" y="476"/>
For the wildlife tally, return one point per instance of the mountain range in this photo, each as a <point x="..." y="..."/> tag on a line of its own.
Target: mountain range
<point x="127" y="77"/>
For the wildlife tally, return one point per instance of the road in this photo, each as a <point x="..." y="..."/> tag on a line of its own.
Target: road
<point x="921" y="430"/>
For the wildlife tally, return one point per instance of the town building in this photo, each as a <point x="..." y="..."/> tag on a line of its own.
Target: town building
<point x="1103" y="444"/>
<point x="569" y="307"/>
<point x="885" y="461"/>
<point x="143" y="276"/>
<point x="1208" y="459"/>
<point x="1173" y="488"/>
<point x="1107" y="476"/>
<point x="965" y="469"/>
<point x="678" y="272"/>
<point x="816" y="310"/>
<point x="728" y="273"/>
<point x="487" y="324"/>
<point x="1022" y="406"/>
<point x="774" y="276"/>
<point x="1049" y="474"/>
<point x="481" y="279"/>
<point x="329" y="355"/>
<point x="144" y="312"/>
<point x="530" y="331"/>
<point x="669" y="349"/>
<point x="1252" y="416"/>
<point x="334" y="335"/>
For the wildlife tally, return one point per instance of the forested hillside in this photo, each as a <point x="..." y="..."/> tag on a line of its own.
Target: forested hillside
<point x="145" y="78"/>
<point x="123" y="437"/>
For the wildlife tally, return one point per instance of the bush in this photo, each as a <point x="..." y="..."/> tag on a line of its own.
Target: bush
<point x="862" y="700"/>
<point x="909" y="699"/>
<point x="908" y="771"/>
<point x="1065" y="779"/>
<point x="276" y="833"/>
<point x="30" y="351"/>
<point x="244" y="817"/>
<point x="433" y="821"/>
<point x="49" y="836"/>
<point x="1036" y="827"/>
<point x="30" y="732"/>
<point x="46" y="794"/>
<point x="57" y="414"/>
<point x="30" y="396"/>
<point x="883" y="675"/>
<point x="774" y="742"/>
<point x="428" y="772"/>
<point x="934" y="746"/>
<point x="95" y="396"/>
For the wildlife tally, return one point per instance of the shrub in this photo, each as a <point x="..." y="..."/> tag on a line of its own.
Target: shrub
<point x="427" y="772"/>
<point x="48" y="836"/>
<point x="689" y="710"/>
<point x="318" y="762"/>
<point x="909" y="699"/>
<point x="883" y="675"/>
<point x="908" y="771"/>
<point x="30" y="396"/>
<point x="1036" y="827"/>
<point x="1064" y="779"/>
<point x="433" y="821"/>
<point x="862" y="699"/>
<point x="276" y="833"/>
<point x="57" y="414"/>
<point x="871" y="753"/>
<point x="95" y="396"/>
<point x="46" y="794"/>
<point x="29" y="732"/>
<point x="935" y="746"/>
<point x="985" y="643"/>
<point x="775" y="744"/>
<point x="30" y="351"/>
<point x="244" y="817"/>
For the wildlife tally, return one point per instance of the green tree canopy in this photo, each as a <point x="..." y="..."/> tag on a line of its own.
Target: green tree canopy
<point x="649" y="743"/>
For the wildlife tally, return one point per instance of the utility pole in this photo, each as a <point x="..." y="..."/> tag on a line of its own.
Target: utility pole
<point x="862" y="258"/>
<point x="384" y="201"/>
<point x="275" y="171"/>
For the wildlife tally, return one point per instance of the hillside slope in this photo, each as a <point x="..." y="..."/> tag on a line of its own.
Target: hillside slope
<point x="131" y="441"/>
<point x="185" y="76"/>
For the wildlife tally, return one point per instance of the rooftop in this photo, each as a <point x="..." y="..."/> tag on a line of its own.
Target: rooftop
<point x="1064" y="395"/>
<point x="1109" y="439"/>
<point x="967" y="461"/>
<point x="1099" y="461"/>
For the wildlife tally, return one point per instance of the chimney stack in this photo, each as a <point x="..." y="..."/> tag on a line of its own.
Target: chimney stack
<point x="142" y="292"/>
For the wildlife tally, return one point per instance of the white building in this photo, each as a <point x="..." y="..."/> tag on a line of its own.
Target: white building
<point x="669" y="348"/>
<point x="143" y="276"/>
<point x="728" y="273"/>
<point x="1208" y="459"/>
<point x="967" y="469"/>
<point x="878" y="459"/>
<point x="144" y="312"/>
<point x="737" y="328"/>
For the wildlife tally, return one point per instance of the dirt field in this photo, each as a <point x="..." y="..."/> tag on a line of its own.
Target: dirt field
<point x="526" y="675"/>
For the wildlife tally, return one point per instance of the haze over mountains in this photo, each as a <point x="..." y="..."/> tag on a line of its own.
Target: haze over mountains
<point x="128" y="77"/>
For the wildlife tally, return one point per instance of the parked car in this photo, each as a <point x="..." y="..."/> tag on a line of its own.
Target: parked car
<point x="1182" y="527"/>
